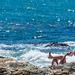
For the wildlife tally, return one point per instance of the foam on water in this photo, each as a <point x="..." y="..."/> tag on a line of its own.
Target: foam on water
<point x="35" y="54"/>
<point x="70" y="43"/>
<point x="36" y="57"/>
<point x="8" y="31"/>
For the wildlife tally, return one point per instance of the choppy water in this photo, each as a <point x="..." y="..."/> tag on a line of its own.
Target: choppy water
<point x="26" y="26"/>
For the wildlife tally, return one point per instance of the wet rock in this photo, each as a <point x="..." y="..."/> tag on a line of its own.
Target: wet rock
<point x="2" y="57"/>
<point x="56" y="44"/>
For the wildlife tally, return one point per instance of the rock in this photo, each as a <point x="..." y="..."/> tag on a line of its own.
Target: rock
<point x="2" y="57"/>
<point x="60" y="66"/>
<point x="4" y="71"/>
<point x="61" y="73"/>
<point x="56" y="44"/>
<point x="18" y="72"/>
<point x="72" y="68"/>
<point x="9" y="66"/>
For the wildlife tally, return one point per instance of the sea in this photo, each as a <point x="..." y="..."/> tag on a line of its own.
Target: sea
<point x="27" y="26"/>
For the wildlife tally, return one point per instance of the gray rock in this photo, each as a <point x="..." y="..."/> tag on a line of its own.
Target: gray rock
<point x="9" y="66"/>
<point x="60" y="66"/>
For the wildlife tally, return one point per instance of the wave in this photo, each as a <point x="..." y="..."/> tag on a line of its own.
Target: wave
<point x="35" y="54"/>
<point x="70" y="43"/>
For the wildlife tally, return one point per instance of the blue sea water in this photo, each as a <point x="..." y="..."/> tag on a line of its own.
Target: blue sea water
<point x="27" y="26"/>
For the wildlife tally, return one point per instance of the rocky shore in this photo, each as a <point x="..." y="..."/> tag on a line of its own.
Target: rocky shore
<point x="9" y="66"/>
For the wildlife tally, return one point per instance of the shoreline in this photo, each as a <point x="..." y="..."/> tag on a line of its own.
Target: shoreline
<point x="9" y="66"/>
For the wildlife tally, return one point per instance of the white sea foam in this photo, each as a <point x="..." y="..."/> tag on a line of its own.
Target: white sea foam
<point x="58" y="19"/>
<point x="40" y="36"/>
<point x="71" y="10"/>
<point x="35" y="37"/>
<point x="44" y="4"/>
<point x="70" y="43"/>
<point x="8" y="31"/>
<point x="17" y="24"/>
<point x="39" y="31"/>
<point x="29" y="8"/>
<point x="36" y="57"/>
<point x="70" y="59"/>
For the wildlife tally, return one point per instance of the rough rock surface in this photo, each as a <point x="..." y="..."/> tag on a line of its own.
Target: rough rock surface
<point x="9" y="66"/>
